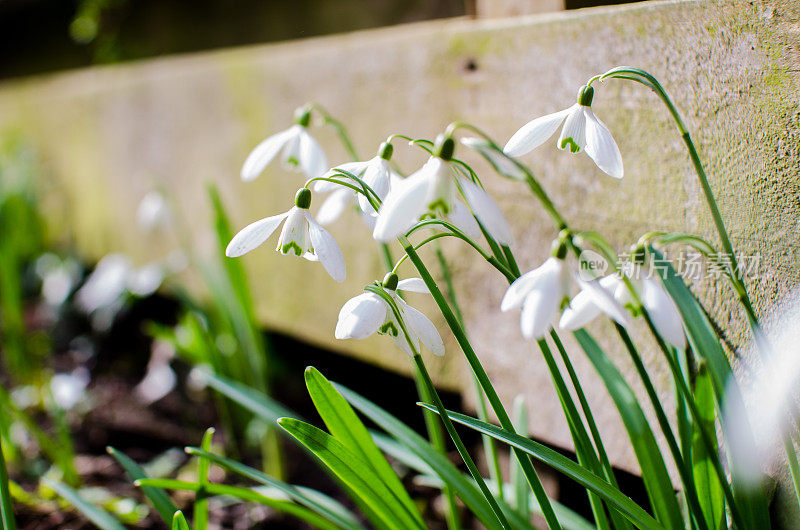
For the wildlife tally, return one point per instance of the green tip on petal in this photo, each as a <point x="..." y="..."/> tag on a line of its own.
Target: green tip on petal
<point x="303" y="198"/>
<point x="585" y="95"/>
<point x="302" y="116"/>
<point x="558" y="249"/>
<point x="573" y="147"/>
<point x="390" y="281"/>
<point x="291" y="248"/>
<point x="385" y="151"/>
<point x="638" y="254"/>
<point x="444" y="147"/>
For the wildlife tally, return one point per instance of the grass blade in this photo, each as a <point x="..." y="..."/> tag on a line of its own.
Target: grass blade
<point x="98" y="516"/>
<point x="200" y="502"/>
<point x="353" y="471"/>
<point x="751" y="500"/>
<point x="654" y="471"/>
<point x="571" y="469"/>
<point x="157" y="497"/>
<point x="245" y="495"/>
<point x="6" y="504"/>
<point x="345" y="426"/>
<point x="253" y="400"/>
<point x="709" y="490"/>
<point x="179" y="521"/>
<point x="328" y="508"/>
<point x="466" y="489"/>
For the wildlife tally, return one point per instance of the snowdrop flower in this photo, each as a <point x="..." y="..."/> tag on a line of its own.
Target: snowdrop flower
<point x="541" y="293"/>
<point x="582" y="130"/>
<point x="662" y="310"/>
<point x="610" y="294"/>
<point x="604" y="295"/>
<point x="375" y="172"/>
<point x="301" y="235"/>
<point x="432" y="191"/>
<point x="300" y="151"/>
<point x="368" y="313"/>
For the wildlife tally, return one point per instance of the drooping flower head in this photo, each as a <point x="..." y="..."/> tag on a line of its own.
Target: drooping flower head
<point x="368" y="313"/>
<point x="433" y="192"/>
<point x="610" y="294"/>
<point x="301" y="236"/>
<point x="298" y="149"/>
<point x="375" y="172"/>
<point x="582" y="131"/>
<point x="541" y="293"/>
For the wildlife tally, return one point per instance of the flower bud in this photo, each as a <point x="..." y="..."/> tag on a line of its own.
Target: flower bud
<point x="390" y="281"/>
<point x="303" y="198"/>
<point x="302" y="116"/>
<point x="385" y="151"/>
<point x="585" y="96"/>
<point x="444" y="147"/>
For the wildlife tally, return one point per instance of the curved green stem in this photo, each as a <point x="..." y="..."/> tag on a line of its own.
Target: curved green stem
<point x="431" y="390"/>
<point x="486" y="385"/>
<point x="341" y="131"/>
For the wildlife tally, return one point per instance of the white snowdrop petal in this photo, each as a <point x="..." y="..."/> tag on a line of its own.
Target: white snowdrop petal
<point x="519" y="289"/>
<point x="538" y="313"/>
<point x="573" y="135"/>
<point x="334" y="205"/>
<point x="360" y="317"/>
<point x="413" y="285"/>
<point x="264" y="153"/>
<point x="311" y="156"/>
<point x="601" y="147"/>
<point x="253" y="235"/>
<point x="424" y="329"/>
<point x="534" y="133"/>
<point x="376" y="176"/>
<point x="462" y="217"/>
<point x="580" y="312"/>
<point x="487" y="212"/>
<point x="663" y="311"/>
<point x="402" y="343"/>
<point x="603" y="298"/>
<point x="327" y="250"/>
<point x="403" y="205"/>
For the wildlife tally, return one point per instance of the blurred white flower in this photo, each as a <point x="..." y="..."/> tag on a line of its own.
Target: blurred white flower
<point x="153" y="211"/>
<point x="770" y="378"/>
<point x="68" y="389"/>
<point x="582" y="130"/>
<point x="58" y="277"/>
<point x="113" y="276"/>
<point x="541" y="293"/>
<point x="368" y="313"/>
<point x="433" y="191"/>
<point x="106" y="284"/>
<point x="301" y="235"/>
<point x="299" y="150"/>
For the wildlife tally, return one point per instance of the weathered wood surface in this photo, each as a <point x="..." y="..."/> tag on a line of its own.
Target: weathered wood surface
<point x="108" y="135"/>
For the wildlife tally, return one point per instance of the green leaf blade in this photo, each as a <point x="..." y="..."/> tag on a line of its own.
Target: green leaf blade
<point x="157" y="497"/>
<point x="354" y="472"/>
